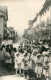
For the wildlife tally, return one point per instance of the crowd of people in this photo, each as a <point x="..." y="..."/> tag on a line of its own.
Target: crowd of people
<point x="7" y="56"/>
<point x="35" y="63"/>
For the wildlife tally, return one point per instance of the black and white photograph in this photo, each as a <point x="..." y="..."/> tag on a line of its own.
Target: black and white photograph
<point x="25" y="39"/>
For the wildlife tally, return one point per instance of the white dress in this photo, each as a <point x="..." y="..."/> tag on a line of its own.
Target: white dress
<point x="18" y="60"/>
<point x="33" y="62"/>
<point x="16" y="65"/>
<point x="39" y="68"/>
<point x="46" y="59"/>
<point x="15" y="60"/>
<point x="22" y="64"/>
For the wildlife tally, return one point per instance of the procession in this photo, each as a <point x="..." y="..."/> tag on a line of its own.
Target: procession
<point x="27" y="63"/>
<point x="25" y="40"/>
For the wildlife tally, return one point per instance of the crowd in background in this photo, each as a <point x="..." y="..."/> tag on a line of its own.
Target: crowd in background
<point x="34" y="63"/>
<point x="7" y="56"/>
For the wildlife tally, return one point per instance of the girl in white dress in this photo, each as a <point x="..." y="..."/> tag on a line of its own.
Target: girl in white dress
<point x="16" y="65"/>
<point x="34" y="59"/>
<point x="22" y="64"/>
<point x="18" y="60"/>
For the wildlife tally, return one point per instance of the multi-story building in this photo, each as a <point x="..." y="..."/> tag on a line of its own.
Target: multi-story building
<point x="43" y="19"/>
<point x="36" y="20"/>
<point x="3" y="21"/>
<point x="45" y="13"/>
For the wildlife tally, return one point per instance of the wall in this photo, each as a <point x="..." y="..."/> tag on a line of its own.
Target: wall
<point x="37" y="21"/>
<point x="45" y="15"/>
<point x="1" y="25"/>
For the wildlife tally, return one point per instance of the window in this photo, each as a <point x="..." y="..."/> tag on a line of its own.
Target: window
<point x="45" y="11"/>
<point x="30" y="42"/>
<point x="48" y="9"/>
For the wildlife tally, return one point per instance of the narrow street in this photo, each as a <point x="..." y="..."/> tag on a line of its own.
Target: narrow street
<point x="25" y="39"/>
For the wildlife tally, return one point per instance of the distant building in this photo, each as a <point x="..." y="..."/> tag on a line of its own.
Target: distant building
<point x="3" y="21"/>
<point x="11" y="32"/>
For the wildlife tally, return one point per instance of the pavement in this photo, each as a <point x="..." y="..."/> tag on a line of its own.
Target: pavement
<point x="5" y="75"/>
<point x="12" y="77"/>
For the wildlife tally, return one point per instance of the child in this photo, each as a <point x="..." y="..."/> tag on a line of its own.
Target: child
<point x="25" y="60"/>
<point x="22" y="65"/>
<point x="45" y="64"/>
<point x="31" y="68"/>
<point x="16" y="65"/>
<point x="19" y="60"/>
<point x="39" y="65"/>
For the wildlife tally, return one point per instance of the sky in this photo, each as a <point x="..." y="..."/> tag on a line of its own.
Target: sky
<point x="20" y="12"/>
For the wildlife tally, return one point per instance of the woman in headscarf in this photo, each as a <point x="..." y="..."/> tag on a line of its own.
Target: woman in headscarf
<point x="32" y="64"/>
<point x="34" y="59"/>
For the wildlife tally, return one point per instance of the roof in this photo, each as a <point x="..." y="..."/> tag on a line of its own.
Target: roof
<point x="3" y="8"/>
<point x="35" y="18"/>
<point x="45" y="6"/>
<point x="11" y="29"/>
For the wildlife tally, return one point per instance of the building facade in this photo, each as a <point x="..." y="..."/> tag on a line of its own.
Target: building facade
<point x="45" y="13"/>
<point x="43" y="18"/>
<point x="3" y="21"/>
<point x="11" y="33"/>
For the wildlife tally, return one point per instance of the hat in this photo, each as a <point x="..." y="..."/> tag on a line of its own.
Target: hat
<point x="25" y="51"/>
<point x="35" y="50"/>
<point x="44" y="53"/>
<point x="38" y="55"/>
<point x="46" y="46"/>
<point x="17" y="53"/>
